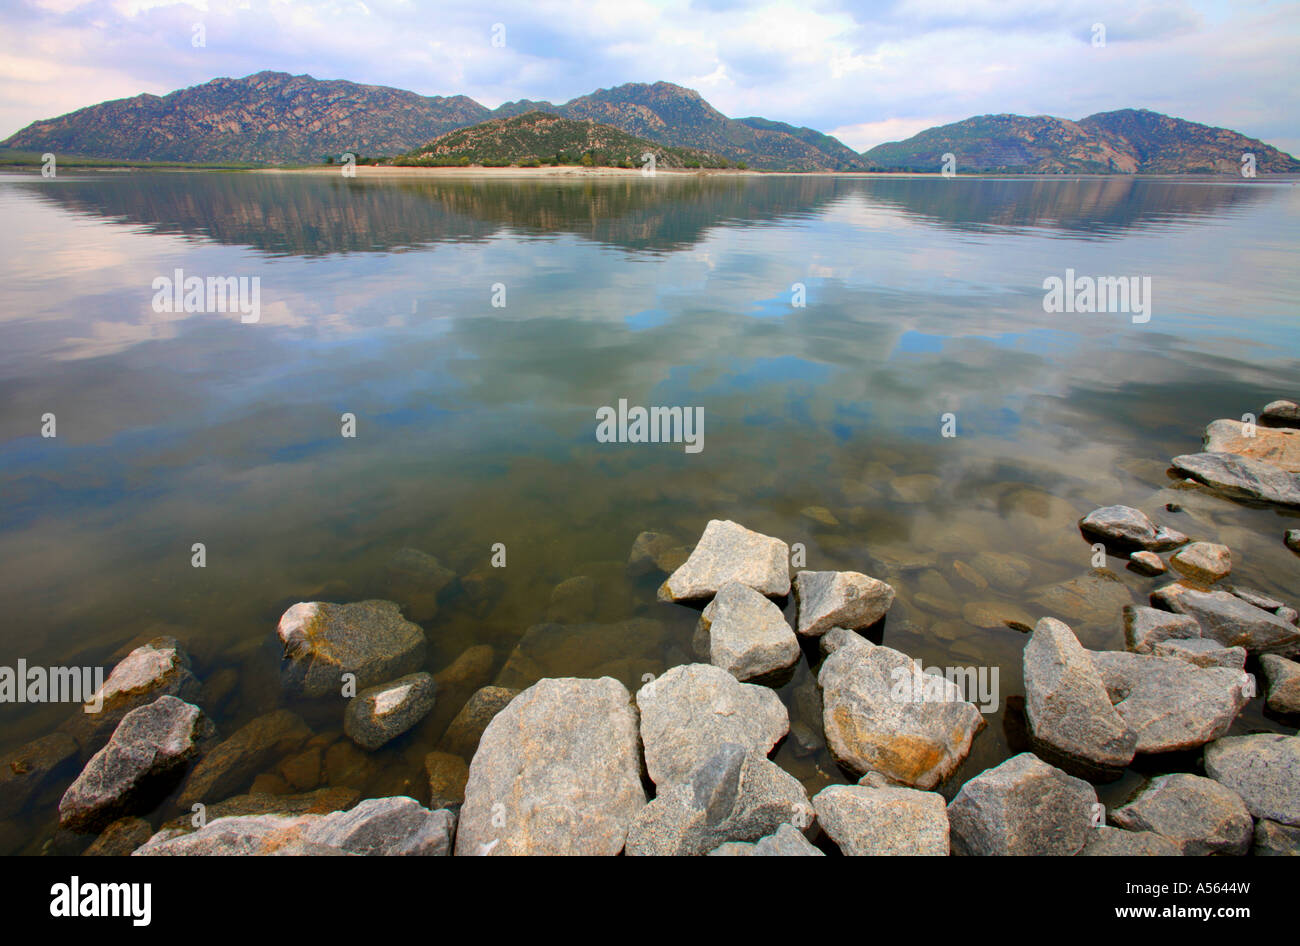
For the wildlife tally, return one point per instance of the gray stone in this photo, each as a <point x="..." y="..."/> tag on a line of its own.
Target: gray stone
<point x="883" y="713"/>
<point x="1022" y="807"/>
<point x="1202" y="562"/>
<point x="160" y="667"/>
<point x="746" y="635"/>
<point x="1171" y="704"/>
<point x="30" y="768"/>
<point x="788" y="841"/>
<point x="867" y="821"/>
<point x="323" y="641"/>
<point x="1258" y="599"/>
<point x="1228" y="619"/>
<point x="839" y="599"/>
<point x="691" y="711"/>
<point x="1264" y="769"/>
<point x="1275" y="840"/>
<point x="1241" y="477"/>
<point x="1146" y="563"/>
<point x="321" y="801"/>
<point x="231" y="764"/>
<point x="381" y="713"/>
<point x="1283" y="678"/>
<point x="1116" y="842"/>
<point x="146" y="755"/>
<point x="1198" y="815"/>
<point x="1145" y="627"/>
<point x="727" y="552"/>
<point x="387" y="827"/>
<point x="558" y="771"/>
<point x="1126" y="527"/>
<point x="1280" y="413"/>
<point x="1281" y="448"/>
<point x="1202" y="652"/>
<point x="1067" y="706"/>
<point x="734" y="795"/>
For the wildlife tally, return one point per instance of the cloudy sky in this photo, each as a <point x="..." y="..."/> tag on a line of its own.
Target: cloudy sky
<point x="865" y="71"/>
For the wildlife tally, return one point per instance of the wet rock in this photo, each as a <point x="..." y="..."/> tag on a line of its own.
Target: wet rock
<point x="1258" y="599"/>
<point x="218" y="690"/>
<point x="28" y="770"/>
<point x="346" y="764"/>
<point x="1006" y="572"/>
<point x="1145" y="627"/>
<point x="1202" y="562"/>
<point x="1280" y="447"/>
<point x="1106" y="841"/>
<point x="1228" y="619"/>
<point x="746" y="635"/>
<point x="269" y="783"/>
<point x="839" y="599"/>
<point x="1283" y="678"/>
<point x="997" y="614"/>
<point x="787" y="841"/>
<point x="1291" y="538"/>
<point x="652" y="551"/>
<point x="691" y="711"/>
<point x="1095" y="598"/>
<point x="303" y="771"/>
<point x="447" y="776"/>
<point x="120" y="838"/>
<point x="160" y="667"/>
<point x="1146" y="563"/>
<point x="865" y="821"/>
<point x="588" y="650"/>
<point x="970" y="575"/>
<point x="1197" y="815"/>
<point x="727" y="552"/>
<point x="1022" y="807"/>
<point x="1281" y="413"/>
<point x="1170" y="703"/>
<point x="322" y="641"/>
<point x="1241" y="477"/>
<point x="882" y="713"/>
<point x="1275" y="840"/>
<point x="735" y="794"/>
<point x="1067" y="707"/>
<point x="915" y="487"/>
<point x="1202" y="652"/>
<point x="456" y="683"/>
<point x="463" y="734"/>
<point x="147" y="753"/>
<point x="1126" y="527"/>
<point x="1264" y="769"/>
<point x="572" y="600"/>
<point x="320" y="801"/>
<point x="231" y="765"/>
<point x="415" y="579"/>
<point x="558" y="771"/>
<point x="381" y="713"/>
<point x="820" y="515"/>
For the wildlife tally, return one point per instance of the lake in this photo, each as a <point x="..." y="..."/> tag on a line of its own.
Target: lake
<point x="877" y="377"/>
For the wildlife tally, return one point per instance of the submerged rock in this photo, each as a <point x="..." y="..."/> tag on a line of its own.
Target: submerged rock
<point x="1283" y="678"/>
<point x="1203" y="562"/>
<point x="447" y="775"/>
<point x="558" y="771"/>
<point x="1264" y="769"/>
<point x="145" y="756"/>
<point x="839" y="599"/>
<point x="32" y="767"/>
<point x="883" y="713"/>
<point x="466" y="729"/>
<point x="1197" y="815"/>
<point x="1126" y="527"/>
<point x="727" y="552"/>
<point x="1022" y="807"/>
<point x="787" y="841"/>
<point x="746" y="635"/>
<point x="1116" y="842"/>
<point x="1229" y="620"/>
<point x="382" y="713"/>
<point x="690" y="712"/>
<point x="415" y="579"/>
<point x="866" y="821"/>
<point x="572" y="600"/>
<point x="1067" y="707"/>
<point x="1241" y="477"/>
<point x="120" y="838"/>
<point x="736" y="794"/>
<point x="1145" y="627"/>
<point x="231" y="765"/>
<point x="323" y="641"/>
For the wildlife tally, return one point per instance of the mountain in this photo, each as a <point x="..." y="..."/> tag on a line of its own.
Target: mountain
<point x="543" y="138"/>
<point x="1128" y="141"/>
<point x="266" y="118"/>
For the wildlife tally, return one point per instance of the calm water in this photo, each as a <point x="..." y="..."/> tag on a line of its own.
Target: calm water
<point x="475" y="424"/>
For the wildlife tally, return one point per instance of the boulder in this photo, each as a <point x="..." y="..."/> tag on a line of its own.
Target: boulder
<point x="323" y="641"/>
<point x="466" y="729"/>
<point x="1069" y="713"/>
<point x="839" y="599"/>
<point x="146" y="755"/>
<point x="727" y="552"/>
<point x="746" y="635"/>
<point x="1171" y="704"/>
<point x="1283" y="678"/>
<point x="1116" y="842"/>
<point x="1202" y="652"/>
<point x="1197" y="815"/>
<point x="1241" y="477"/>
<point x="1228" y="619"/>
<point x="231" y="764"/>
<point x="691" y="711"/>
<point x="160" y="667"/>
<point x="1203" y="563"/>
<point x="736" y="794"/>
<point x="787" y="841"/>
<point x="869" y="821"/>
<point x="1145" y="627"/>
<point x="1022" y="807"/>
<point x="1280" y="413"/>
<point x="381" y="713"/>
<point x="32" y="767"/>
<point x="1280" y="447"/>
<point x="1128" y="528"/>
<point x="1264" y="769"/>
<point x="558" y="771"/>
<point x="881" y="712"/>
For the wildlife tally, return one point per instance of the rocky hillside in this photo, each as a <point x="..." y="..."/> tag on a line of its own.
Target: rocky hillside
<point x="266" y="118"/>
<point x="1129" y="141"/>
<point x="536" y="137"/>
